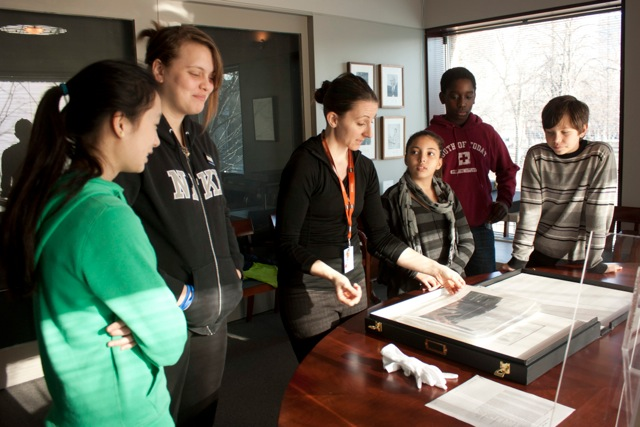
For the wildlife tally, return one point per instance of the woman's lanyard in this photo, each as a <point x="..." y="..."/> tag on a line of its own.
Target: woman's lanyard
<point x="349" y="201"/>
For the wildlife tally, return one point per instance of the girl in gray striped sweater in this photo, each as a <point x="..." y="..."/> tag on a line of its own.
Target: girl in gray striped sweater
<point x="569" y="189"/>
<point x="424" y="212"/>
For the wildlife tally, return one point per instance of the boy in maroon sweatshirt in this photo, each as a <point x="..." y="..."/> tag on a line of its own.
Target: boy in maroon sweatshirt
<point x="472" y="149"/>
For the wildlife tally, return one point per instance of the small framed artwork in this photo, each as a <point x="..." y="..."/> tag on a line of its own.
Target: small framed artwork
<point x="366" y="71"/>
<point x="369" y="146"/>
<point x="391" y="86"/>
<point x="392" y="137"/>
<point x="263" y="122"/>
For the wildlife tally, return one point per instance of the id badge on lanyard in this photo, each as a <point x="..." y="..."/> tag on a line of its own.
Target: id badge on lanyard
<point x="349" y="205"/>
<point x="347" y="259"/>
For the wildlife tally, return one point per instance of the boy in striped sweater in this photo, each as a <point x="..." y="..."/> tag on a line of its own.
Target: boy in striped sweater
<point x="569" y="188"/>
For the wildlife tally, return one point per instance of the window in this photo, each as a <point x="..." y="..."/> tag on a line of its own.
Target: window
<point x="33" y="63"/>
<point x="18" y="104"/>
<point x="258" y="65"/>
<point x="226" y="128"/>
<point x="520" y="66"/>
<point x="30" y="65"/>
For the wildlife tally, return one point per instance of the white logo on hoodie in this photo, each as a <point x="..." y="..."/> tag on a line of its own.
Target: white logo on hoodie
<point x="209" y="181"/>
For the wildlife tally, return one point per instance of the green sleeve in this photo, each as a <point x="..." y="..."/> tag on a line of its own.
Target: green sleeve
<point x="120" y="267"/>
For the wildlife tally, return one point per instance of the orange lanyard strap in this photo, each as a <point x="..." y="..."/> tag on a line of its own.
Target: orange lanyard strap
<point x="350" y="200"/>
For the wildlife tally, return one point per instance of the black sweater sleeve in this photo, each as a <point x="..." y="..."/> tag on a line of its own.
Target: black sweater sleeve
<point x="296" y="189"/>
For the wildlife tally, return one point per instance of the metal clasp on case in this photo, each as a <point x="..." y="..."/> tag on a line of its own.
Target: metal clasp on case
<point x="377" y="326"/>
<point x="505" y="369"/>
<point x="435" y="347"/>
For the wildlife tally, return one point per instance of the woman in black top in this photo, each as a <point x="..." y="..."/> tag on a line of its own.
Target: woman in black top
<point x="325" y="187"/>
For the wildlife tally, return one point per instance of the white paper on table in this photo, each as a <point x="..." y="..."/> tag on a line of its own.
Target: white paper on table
<point x="483" y="403"/>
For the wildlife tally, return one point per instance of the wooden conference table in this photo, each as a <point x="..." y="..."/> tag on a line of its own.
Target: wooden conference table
<point x="342" y="381"/>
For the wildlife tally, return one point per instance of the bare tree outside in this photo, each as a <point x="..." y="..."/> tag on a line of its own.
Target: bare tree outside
<point x="18" y="104"/>
<point x="226" y="128"/>
<point x="518" y="69"/>
<point x="18" y="100"/>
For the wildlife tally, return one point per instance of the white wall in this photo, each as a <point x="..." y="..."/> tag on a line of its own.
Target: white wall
<point x="406" y="13"/>
<point x="341" y="40"/>
<point x="439" y="13"/>
<point x="631" y="124"/>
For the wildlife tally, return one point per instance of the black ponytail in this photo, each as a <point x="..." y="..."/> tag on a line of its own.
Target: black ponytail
<point x="61" y="142"/>
<point x="43" y="166"/>
<point x="339" y="95"/>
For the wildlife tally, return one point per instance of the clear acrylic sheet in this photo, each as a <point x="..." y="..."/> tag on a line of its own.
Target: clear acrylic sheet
<point x="609" y="369"/>
<point x="600" y="383"/>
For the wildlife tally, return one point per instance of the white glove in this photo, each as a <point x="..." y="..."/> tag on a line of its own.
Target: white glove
<point x="393" y="359"/>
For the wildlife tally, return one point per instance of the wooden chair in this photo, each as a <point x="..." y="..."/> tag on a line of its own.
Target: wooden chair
<point x="626" y="222"/>
<point x="243" y="228"/>
<point x="367" y="264"/>
<point x="625" y="214"/>
<point x="509" y="218"/>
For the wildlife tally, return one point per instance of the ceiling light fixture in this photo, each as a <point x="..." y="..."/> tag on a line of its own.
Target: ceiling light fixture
<point x="261" y="38"/>
<point x="33" y="30"/>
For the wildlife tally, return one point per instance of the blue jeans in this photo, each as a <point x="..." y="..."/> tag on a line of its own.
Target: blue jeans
<point x="483" y="259"/>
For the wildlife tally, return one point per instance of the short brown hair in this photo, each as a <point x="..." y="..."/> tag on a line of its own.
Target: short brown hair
<point x="555" y="109"/>
<point x="164" y="44"/>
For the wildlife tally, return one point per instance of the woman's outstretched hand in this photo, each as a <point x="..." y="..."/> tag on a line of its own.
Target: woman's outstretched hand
<point x="428" y="283"/>
<point x="346" y="292"/>
<point x="449" y="279"/>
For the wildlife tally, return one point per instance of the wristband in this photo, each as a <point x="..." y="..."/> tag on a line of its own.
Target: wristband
<point x="188" y="299"/>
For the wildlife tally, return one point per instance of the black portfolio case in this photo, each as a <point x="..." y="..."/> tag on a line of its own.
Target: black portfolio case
<point x="520" y="370"/>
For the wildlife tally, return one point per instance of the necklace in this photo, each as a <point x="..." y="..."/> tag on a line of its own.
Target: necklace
<point x="183" y="143"/>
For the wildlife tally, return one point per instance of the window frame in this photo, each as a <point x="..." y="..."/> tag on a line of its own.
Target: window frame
<point x="433" y="73"/>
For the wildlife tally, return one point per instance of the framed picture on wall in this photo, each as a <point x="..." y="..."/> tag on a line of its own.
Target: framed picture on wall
<point x="392" y="137"/>
<point x="366" y="71"/>
<point x="391" y="86"/>
<point x="369" y="146"/>
<point x="263" y="122"/>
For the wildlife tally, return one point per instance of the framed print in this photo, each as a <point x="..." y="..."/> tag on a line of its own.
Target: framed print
<point x="369" y="145"/>
<point x="392" y="137"/>
<point x="391" y="86"/>
<point x="366" y="71"/>
<point x="263" y="119"/>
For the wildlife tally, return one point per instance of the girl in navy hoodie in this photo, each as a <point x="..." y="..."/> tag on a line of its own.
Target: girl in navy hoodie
<point x="180" y="201"/>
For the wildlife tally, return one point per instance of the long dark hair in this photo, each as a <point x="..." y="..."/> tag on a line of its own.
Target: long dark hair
<point x="429" y="134"/>
<point x="164" y="44"/>
<point x="64" y="140"/>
